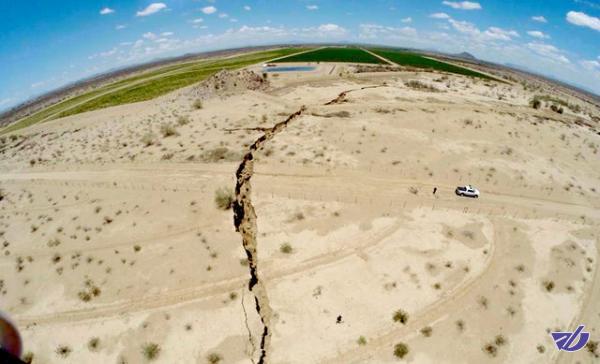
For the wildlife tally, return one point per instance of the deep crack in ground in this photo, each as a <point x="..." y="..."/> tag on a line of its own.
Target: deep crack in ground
<point x="244" y="220"/>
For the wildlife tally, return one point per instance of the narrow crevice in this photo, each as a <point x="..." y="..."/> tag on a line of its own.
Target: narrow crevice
<point x="250" y="339"/>
<point x="244" y="220"/>
<point x="341" y="97"/>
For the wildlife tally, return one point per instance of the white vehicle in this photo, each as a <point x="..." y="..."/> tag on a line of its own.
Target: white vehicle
<point x="467" y="191"/>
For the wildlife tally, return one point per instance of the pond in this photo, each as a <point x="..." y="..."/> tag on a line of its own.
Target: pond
<point x="289" y="69"/>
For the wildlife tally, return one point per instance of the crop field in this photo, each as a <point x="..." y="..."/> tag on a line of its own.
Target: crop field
<point x="145" y="86"/>
<point x="352" y="55"/>
<point x="414" y="60"/>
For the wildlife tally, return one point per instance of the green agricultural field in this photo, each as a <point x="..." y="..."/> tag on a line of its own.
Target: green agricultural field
<point x="146" y="86"/>
<point x="334" y="54"/>
<point x="414" y="60"/>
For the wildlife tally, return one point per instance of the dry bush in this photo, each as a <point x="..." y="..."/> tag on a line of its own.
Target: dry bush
<point x="183" y="120"/>
<point x="168" y="130"/>
<point x="219" y="154"/>
<point x="400" y="350"/>
<point x="214" y="358"/>
<point x="197" y="104"/>
<point x="286" y="248"/>
<point x="224" y="198"/>
<point x="400" y="316"/>
<point x="418" y="85"/>
<point x="151" y="351"/>
<point x="148" y="139"/>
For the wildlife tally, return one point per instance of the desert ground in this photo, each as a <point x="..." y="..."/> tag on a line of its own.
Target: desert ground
<point x="114" y="248"/>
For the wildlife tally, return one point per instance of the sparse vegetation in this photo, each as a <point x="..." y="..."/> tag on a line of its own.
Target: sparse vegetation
<point x="427" y="331"/>
<point x="63" y="351"/>
<point x="197" y="104"/>
<point x="214" y="358"/>
<point x="286" y="248"/>
<point x="418" y="85"/>
<point x="224" y="198"/>
<point x="168" y="130"/>
<point x="400" y="316"/>
<point x="151" y="351"/>
<point x="94" y="344"/>
<point x="148" y="139"/>
<point x="361" y="341"/>
<point x="401" y="350"/>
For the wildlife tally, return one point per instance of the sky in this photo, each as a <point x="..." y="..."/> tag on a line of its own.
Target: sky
<point x="46" y="44"/>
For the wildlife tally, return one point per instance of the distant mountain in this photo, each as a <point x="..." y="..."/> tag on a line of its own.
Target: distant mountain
<point x="466" y="55"/>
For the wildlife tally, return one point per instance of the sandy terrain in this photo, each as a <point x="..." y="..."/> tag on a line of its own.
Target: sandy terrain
<point x="114" y="251"/>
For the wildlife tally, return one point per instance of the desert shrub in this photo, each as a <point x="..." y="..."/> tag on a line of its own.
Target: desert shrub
<point x="499" y="340"/>
<point x="63" y="351"/>
<point x="197" y="104"/>
<point x="94" y="344"/>
<point x="535" y="103"/>
<point x="286" y="248"/>
<point x="167" y="130"/>
<point x="400" y="316"/>
<point x="151" y="351"/>
<point x="224" y="198"/>
<point x="592" y="348"/>
<point x="490" y="349"/>
<point x="148" y="139"/>
<point x="214" y="358"/>
<point x="183" y="120"/>
<point x="361" y="341"/>
<point x="548" y="285"/>
<point x="426" y="331"/>
<point x="28" y="357"/>
<point x="219" y="154"/>
<point x="400" y="350"/>
<point x="556" y="108"/>
<point x="418" y="85"/>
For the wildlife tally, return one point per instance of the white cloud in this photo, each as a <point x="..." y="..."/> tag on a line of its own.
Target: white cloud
<point x="197" y="20"/>
<point x="539" y="18"/>
<point x="120" y="26"/>
<point x="5" y="101"/>
<point x="247" y="8"/>
<point x="500" y="34"/>
<point x="439" y="16"/>
<point x="538" y="34"/>
<point x="583" y="20"/>
<point x="312" y="7"/>
<point x="548" y="51"/>
<point x="332" y="28"/>
<point x="591" y="65"/>
<point x="223" y="15"/>
<point x="106" y="11"/>
<point x="149" y="35"/>
<point x="464" y="27"/>
<point x="490" y="34"/>
<point x="166" y="34"/>
<point x="38" y="84"/>
<point x="406" y="20"/>
<point x="151" y="9"/>
<point x="108" y="53"/>
<point x="463" y="5"/>
<point x="233" y="20"/>
<point x="385" y="33"/>
<point x="209" y="10"/>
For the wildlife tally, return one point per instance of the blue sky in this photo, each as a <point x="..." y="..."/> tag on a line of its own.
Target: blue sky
<point x="45" y="44"/>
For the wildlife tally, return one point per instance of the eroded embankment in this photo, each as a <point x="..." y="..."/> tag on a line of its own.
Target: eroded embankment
<point x="244" y="219"/>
